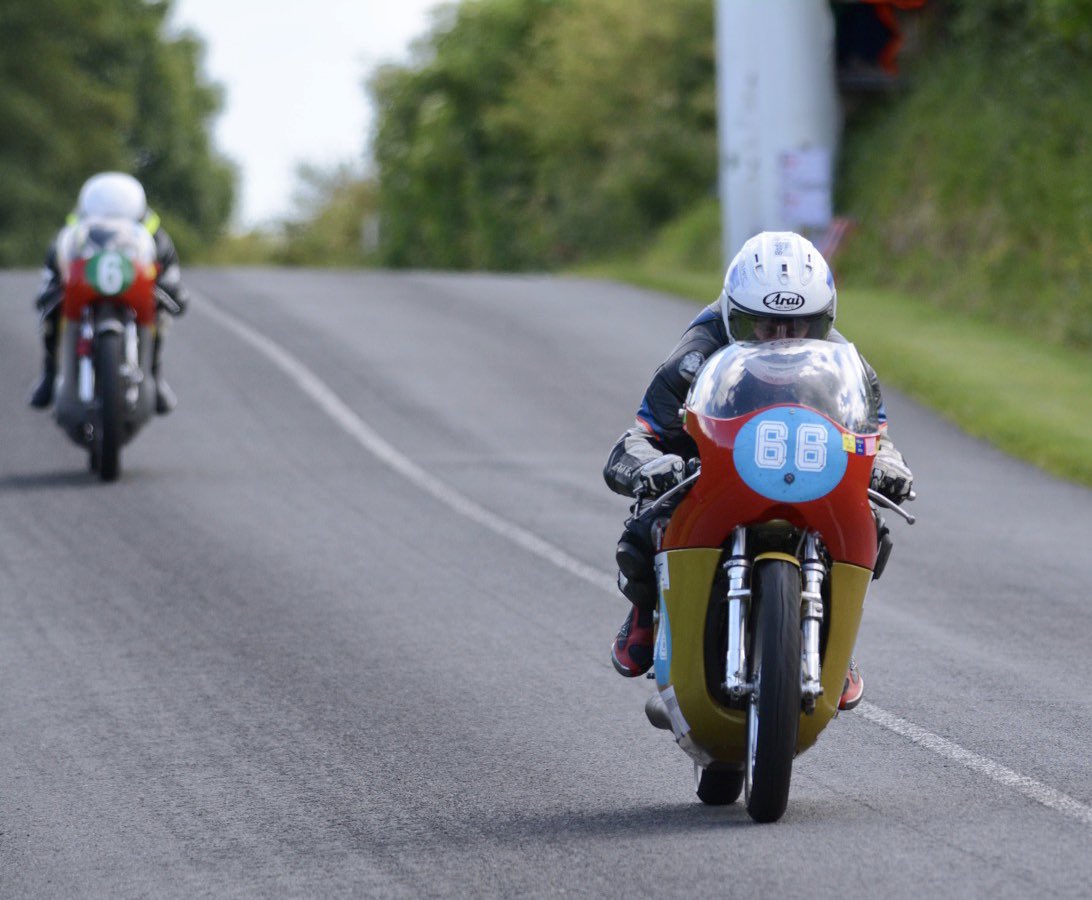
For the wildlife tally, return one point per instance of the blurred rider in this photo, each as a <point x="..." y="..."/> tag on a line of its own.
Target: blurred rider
<point x="778" y="286"/>
<point x="110" y="195"/>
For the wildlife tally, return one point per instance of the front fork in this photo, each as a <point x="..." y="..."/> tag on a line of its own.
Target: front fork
<point x="738" y="570"/>
<point x="85" y="348"/>
<point x="130" y="366"/>
<point x="811" y="618"/>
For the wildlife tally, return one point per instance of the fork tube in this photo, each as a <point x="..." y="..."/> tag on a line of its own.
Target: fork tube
<point x="86" y="363"/>
<point x="132" y="358"/>
<point x="738" y="569"/>
<point x="811" y="615"/>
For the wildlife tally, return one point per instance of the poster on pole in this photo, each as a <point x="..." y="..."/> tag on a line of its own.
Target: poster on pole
<point x="805" y="188"/>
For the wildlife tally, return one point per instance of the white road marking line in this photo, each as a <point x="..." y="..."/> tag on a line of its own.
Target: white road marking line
<point x="1029" y="787"/>
<point x="360" y="431"/>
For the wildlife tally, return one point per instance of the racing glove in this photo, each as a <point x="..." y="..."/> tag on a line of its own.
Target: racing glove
<point x="172" y="304"/>
<point x="48" y="299"/>
<point x="890" y="474"/>
<point x="181" y="299"/>
<point x="658" y="475"/>
<point x="171" y="294"/>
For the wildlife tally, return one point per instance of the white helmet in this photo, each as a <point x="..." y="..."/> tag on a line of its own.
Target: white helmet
<point x="112" y="195"/>
<point x="778" y="286"/>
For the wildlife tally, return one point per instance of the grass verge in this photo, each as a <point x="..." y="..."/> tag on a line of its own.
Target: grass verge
<point x="1028" y="398"/>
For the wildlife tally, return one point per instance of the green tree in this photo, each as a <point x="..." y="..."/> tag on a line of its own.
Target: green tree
<point x="455" y="178"/>
<point x="169" y="142"/>
<point x="618" y="101"/>
<point x="1032" y="25"/>
<point x="530" y="132"/>
<point x="994" y="215"/>
<point x="334" y="222"/>
<point x="90" y="85"/>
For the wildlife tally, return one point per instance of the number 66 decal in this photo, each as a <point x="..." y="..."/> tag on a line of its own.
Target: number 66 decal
<point x="790" y="454"/>
<point x="772" y="446"/>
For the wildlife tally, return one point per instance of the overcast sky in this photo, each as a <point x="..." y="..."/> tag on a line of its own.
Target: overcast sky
<point x="293" y="78"/>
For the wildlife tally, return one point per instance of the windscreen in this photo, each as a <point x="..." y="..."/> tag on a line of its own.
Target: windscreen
<point x="93" y="237"/>
<point x="822" y="375"/>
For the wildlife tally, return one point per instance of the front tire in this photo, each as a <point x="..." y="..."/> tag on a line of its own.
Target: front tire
<point x="109" y="392"/>
<point x="774" y="711"/>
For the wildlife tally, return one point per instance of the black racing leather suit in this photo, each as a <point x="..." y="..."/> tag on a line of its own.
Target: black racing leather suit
<point x="659" y="430"/>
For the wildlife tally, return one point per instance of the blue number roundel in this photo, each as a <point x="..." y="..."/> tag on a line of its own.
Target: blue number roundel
<point x="790" y="454"/>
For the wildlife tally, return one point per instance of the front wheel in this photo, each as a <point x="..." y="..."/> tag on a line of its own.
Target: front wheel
<point x="108" y="391"/>
<point x="774" y="711"/>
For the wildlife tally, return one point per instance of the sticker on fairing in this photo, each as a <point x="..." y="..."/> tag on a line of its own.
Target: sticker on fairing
<point x="859" y="446"/>
<point x="110" y="273"/>
<point x="663" y="575"/>
<point x="790" y="454"/>
<point x="661" y="653"/>
<point x="679" y="725"/>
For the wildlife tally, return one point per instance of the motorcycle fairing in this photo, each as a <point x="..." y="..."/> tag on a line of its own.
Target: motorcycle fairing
<point x="784" y="430"/>
<point x="110" y="260"/>
<point x="832" y="501"/>
<point x="81" y="289"/>
<point x="715" y="733"/>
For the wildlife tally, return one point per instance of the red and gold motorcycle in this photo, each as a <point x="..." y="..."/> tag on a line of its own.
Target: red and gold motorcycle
<point x="764" y="557"/>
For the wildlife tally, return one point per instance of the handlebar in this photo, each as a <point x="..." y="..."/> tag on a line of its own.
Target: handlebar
<point x="657" y="503"/>
<point x="660" y="501"/>
<point x="167" y="301"/>
<point x="877" y="497"/>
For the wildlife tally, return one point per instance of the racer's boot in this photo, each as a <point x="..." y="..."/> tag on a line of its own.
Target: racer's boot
<point x="631" y="652"/>
<point x="165" y="399"/>
<point x="41" y="394"/>
<point x="853" y="692"/>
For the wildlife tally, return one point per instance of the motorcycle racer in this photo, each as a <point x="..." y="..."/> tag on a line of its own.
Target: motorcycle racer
<point x="778" y="286"/>
<point x="110" y="195"/>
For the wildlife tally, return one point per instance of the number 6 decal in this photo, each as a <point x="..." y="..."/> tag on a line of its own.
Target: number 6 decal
<point x="811" y="448"/>
<point x="771" y="447"/>
<point x="111" y="273"/>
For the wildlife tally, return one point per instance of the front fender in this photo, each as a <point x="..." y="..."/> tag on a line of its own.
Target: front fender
<point x="708" y="731"/>
<point x="109" y="325"/>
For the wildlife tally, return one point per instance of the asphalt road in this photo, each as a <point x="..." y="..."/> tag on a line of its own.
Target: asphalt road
<point x="341" y="628"/>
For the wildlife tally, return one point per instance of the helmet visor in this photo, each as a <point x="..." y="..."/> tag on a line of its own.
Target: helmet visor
<point x="745" y="326"/>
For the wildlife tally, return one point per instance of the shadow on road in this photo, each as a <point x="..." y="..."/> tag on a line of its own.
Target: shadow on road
<point x="568" y="827"/>
<point x="653" y="820"/>
<point x="650" y="819"/>
<point x="36" y="481"/>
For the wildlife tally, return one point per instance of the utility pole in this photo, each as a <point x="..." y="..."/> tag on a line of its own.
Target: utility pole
<point x="779" y="117"/>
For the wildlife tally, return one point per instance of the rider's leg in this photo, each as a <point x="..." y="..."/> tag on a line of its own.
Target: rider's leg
<point x="165" y="400"/>
<point x="631" y="652"/>
<point x="853" y="691"/>
<point x="41" y="394"/>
